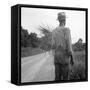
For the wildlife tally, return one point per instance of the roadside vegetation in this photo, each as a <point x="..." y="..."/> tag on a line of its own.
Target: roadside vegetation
<point x="31" y="44"/>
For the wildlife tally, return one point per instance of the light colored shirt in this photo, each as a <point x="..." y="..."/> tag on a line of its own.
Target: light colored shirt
<point x="61" y="36"/>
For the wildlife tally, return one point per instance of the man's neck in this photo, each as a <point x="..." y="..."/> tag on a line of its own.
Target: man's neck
<point x="61" y="25"/>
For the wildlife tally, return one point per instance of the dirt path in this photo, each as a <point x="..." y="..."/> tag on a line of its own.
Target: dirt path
<point x="38" y="68"/>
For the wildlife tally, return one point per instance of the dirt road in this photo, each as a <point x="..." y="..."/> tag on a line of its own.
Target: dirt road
<point x="38" y="68"/>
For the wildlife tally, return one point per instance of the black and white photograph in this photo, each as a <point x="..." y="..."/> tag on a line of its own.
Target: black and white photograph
<point x="53" y="45"/>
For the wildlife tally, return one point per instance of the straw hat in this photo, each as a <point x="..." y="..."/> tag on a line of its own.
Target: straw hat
<point x="61" y="16"/>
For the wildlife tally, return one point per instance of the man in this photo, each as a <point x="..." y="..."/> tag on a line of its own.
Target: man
<point x="61" y="44"/>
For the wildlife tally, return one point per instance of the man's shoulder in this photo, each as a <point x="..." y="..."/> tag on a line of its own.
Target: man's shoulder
<point x="66" y="29"/>
<point x="56" y="28"/>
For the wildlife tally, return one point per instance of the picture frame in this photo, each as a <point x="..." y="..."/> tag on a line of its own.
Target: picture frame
<point x="17" y="71"/>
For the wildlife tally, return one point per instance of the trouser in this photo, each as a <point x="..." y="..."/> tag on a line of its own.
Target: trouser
<point x="61" y="72"/>
<point x="61" y="61"/>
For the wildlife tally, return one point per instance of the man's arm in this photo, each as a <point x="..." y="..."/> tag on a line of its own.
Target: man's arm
<point x="70" y="51"/>
<point x="69" y="44"/>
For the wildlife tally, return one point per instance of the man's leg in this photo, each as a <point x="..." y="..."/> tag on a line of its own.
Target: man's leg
<point x="65" y="72"/>
<point x="57" y="72"/>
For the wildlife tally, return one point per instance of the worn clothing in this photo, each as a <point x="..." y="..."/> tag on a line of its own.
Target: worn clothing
<point x="61" y="72"/>
<point x="61" y="37"/>
<point x="61" y="56"/>
<point x="61" y="42"/>
<point x="61" y="62"/>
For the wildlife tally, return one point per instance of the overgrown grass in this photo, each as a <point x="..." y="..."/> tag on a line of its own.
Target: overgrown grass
<point x="28" y="51"/>
<point x="78" y="69"/>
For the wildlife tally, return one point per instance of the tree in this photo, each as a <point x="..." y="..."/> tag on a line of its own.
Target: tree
<point x="46" y="39"/>
<point x="34" y="39"/>
<point x="24" y="37"/>
<point x="29" y="40"/>
<point x="79" y="46"/>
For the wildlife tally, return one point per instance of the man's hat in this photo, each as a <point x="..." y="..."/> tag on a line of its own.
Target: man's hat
<point x="61" y="16"/>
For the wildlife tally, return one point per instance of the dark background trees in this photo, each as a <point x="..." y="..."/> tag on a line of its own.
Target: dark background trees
<point x="24" y="37"/>
<point x="79" y="45"/>
<point x="29" y="40"/>
<point x="32" y="40"/>
<point x="31" y="44"/>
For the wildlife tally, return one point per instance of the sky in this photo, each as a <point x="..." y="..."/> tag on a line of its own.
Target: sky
<point x="32" y="18"/>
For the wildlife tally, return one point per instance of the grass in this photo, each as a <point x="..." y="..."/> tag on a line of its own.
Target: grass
<point x="78" y="69"/>
<point x="28" y="51"/>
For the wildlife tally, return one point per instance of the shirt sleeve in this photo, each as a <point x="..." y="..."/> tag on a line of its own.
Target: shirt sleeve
<point x="69" y="43"/>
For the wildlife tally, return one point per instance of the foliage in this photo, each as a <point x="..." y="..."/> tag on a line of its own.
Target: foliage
<point x="46" y="39"/>
<point x="78" y="69"/>
<point x="45" y="31"/>
<point x="29" y="40"/>
<point x="79" y="46"/>
<point x="24" y="37"/>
